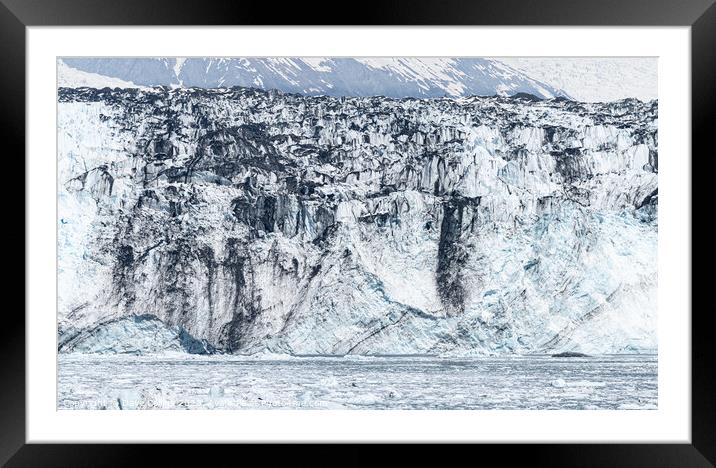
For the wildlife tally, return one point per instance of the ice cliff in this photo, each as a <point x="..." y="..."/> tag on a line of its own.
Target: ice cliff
<point x="247" y="221"/>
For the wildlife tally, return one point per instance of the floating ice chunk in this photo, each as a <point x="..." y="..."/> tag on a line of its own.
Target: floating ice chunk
<point x="216" y="392"/>
<point x="366" y="399"/>
<point x="586" y="383"/>
<point x="329" y="382"/>
<point x="634" y="406"/>
<point x="558" y="383"/>
<point x="129" y="399"/>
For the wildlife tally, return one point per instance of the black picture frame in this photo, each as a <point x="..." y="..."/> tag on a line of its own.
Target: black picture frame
<point x="16" y="15"/>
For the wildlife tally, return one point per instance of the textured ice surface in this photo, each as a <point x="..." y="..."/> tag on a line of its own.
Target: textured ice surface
<point x="262" y="221"/>
<point x="233" y="382"/>
<point x="134" y="335"/>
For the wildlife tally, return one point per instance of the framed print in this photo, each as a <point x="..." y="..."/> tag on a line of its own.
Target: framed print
<point x="427" y="224"/>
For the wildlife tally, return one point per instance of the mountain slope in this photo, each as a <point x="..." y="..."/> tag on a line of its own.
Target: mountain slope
<point x="68" y="77"/>
<point x="594" y="79"/>
<point x="392" y="77"/>
<point x="264" y="221"/>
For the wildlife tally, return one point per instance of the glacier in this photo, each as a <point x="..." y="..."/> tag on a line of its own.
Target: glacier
<point x="239" y="220"/>
<point x="138" y="334"/>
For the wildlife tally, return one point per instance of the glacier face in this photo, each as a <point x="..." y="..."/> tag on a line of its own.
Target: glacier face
<point x="332" y="76"/>
<point x="262" y="221"/>
<point x="133" y="335"/>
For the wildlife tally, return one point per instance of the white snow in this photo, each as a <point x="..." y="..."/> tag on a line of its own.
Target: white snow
<point x="593" y="79"/>
<point x="69" y="77"/>
<point x="177" y="68"/>
<point x="319" y="64"/>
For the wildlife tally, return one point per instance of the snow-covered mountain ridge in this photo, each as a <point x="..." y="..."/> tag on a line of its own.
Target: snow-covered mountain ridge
<point x="331" y="76"/>
<point x="68" y="77"/>
<point x="263" y="221"/>
<point x="594" y="79"/>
